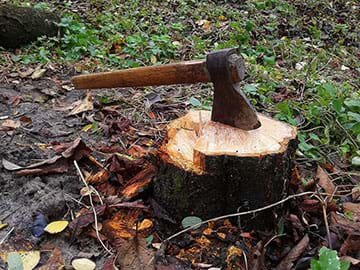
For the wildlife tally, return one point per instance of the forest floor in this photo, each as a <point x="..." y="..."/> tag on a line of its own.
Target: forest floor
<point x="302" y="64"/>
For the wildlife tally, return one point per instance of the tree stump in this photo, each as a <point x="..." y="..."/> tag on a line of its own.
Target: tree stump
<point x="21" y="25"/>
<point x="210" y="169"/>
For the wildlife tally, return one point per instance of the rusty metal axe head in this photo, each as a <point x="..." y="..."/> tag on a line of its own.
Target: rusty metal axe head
<point x="230" y="105"/>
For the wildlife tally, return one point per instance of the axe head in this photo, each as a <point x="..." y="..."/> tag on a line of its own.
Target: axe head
<point x="230" y="105"/>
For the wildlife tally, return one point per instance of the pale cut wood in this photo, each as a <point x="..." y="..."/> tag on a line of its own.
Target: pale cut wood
<point x="209" y="169"/>
<point x="195" y="136"/>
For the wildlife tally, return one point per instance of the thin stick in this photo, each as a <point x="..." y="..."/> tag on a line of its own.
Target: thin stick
<point x="93" y="208"/>
<point x="240" y="214"/>
<point x="6" y="236"/>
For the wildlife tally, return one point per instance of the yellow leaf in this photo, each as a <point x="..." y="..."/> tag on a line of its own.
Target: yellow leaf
<point x="87" y="127"/>
<point x="56" y="226"/>
<point x="153" y="59"/>
<point x="83" y="264"/>
<point x="222" y="18"/>
<point x="145" y="224"/>
<point x="30" y="259"/>
<point x="3" y="225"/>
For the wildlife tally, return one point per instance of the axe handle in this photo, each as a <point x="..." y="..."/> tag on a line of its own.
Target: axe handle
<point x="176" y="73"/>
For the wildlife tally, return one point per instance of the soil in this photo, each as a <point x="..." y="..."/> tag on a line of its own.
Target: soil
<point x="24" y="197"/>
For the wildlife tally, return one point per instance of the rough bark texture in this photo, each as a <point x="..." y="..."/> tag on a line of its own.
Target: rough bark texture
<point x="228" y="184"/>
<point x="21" y="25"/>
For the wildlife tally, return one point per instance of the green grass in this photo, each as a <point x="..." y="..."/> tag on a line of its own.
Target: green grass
<point x="302" y="59"/>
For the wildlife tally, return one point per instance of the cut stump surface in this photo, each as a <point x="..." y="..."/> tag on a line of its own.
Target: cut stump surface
<point x="210" y="169"/>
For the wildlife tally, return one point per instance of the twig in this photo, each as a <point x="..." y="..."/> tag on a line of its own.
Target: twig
<point x="6" y="236"/>
<point x="239" y="214"/>
<point x="93" y="208"/>
<point x="324" y="206"/>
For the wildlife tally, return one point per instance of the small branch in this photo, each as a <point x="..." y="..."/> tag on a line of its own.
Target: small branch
<point x="6" y="236"/>
<point x="93" y="208"/>
<point x="240" y="214"/>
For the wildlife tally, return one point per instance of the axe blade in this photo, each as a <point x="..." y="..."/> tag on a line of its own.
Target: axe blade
<point x="230" y="105"/>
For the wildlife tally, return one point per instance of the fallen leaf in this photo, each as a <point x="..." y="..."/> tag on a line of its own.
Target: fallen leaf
<point x="349" y="226"/>
<point x="10" y="166"/>
<point x="134" y="255"/>
<point x="351" y="260"/>
<point x="325" y="181"/>
<point x="55" y="261"/>
<point x="14" y="261"/>
<point x="144" y="225"/>
<point x="138" y="183"/>
<point x="58" y="163"/>
<point x="120" y="226"/>
<point x="190" y="221"/>
<point x="137" y="151"/>
<point x="83" y="264"/>
<point x="287" y="263"/>
<point x="38" y="73"/>
<point x="86" y="219"/>
<point x="98" y="178"/>
<point x="26" y="73"/>
<point x="109" y="264"/>
<point x="232" y="257"/>
<point x="3" y="225"/>
<point x="56" y="226"/>
<point x="85" y="105"/>
<point x="11" y="124"/>
<point x="30" y="259"/>
<point x="354" y="208"/>
<point x="351" y="245"/>
<point x="355" y="194"/>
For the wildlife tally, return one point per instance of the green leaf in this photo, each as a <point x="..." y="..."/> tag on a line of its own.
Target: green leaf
<point x="337" y="105"/>
<point x="191" y="221"/>
<point x="269" y="60"/>
<point x="14" y="261"/>
<point x="328" y="260"/>
<point x="195" y="102"/>
<point x="352" y="103"/>
<point x="355" y="116"/>
<point x="250" y="89"/>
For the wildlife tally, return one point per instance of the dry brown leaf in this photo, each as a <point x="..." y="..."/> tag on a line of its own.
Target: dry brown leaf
<point x="134" y="255"/>
<point x="85" y="105"/>
<point x="138" y="183"/>
<point x="349" y="226"/>
<point x="26" y="73"/>
<point x="351" y="245"/>
<point x="58" y="163"/>
<point x="353" y="208"/>
<point x="121" y="225"/>
<point x="288" y="262"/>
<point x="99" y="177"/>
<point x="351" y="260"/>
<point x="11" y="124"/>
<point x="85" y="219"/>
<point x="325" y="181"/>
<point x="55" y="261"/>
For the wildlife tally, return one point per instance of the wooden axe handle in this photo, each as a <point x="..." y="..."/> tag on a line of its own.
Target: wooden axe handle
<point x="176" y="73"/>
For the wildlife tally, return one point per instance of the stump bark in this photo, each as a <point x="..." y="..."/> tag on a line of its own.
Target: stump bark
<point x="21" y="25"/>
<point x="210" y="169"/>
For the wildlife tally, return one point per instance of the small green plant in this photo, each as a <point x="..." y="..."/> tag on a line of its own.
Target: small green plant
<point x="328" y="260"/>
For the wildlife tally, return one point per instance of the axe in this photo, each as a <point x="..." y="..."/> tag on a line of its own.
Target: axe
<point x="224" y="68"/>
